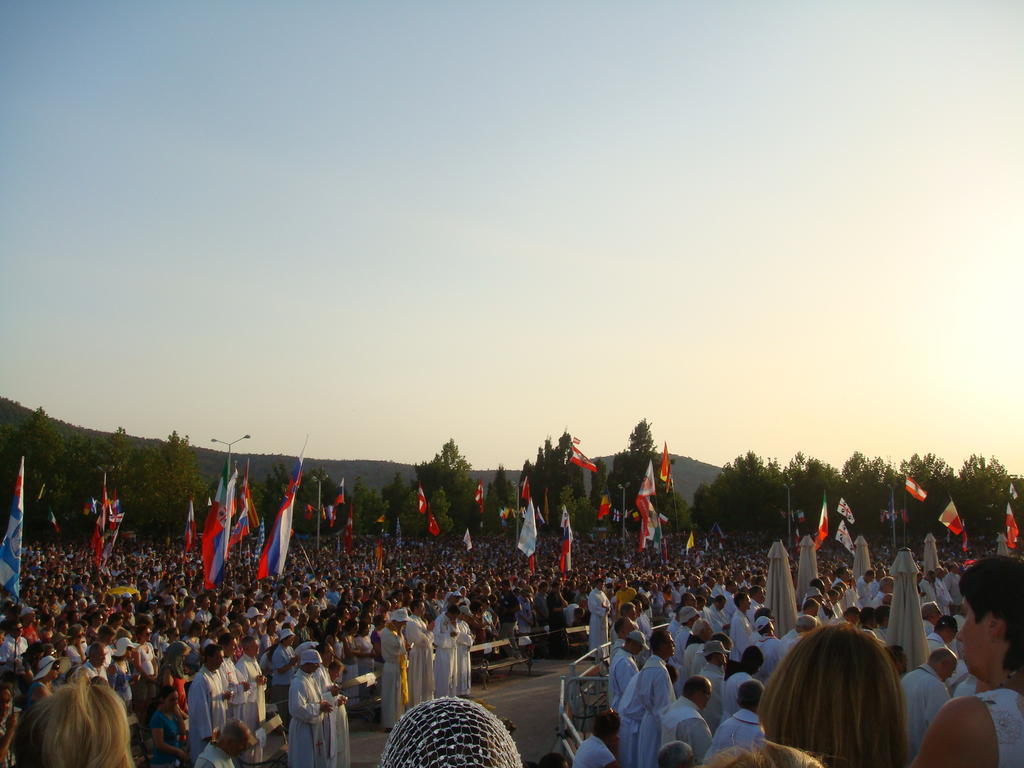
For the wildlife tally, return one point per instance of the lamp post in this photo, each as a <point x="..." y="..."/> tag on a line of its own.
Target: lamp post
<point x="320" y="477"/>
<point x="622" y="487"/>
<point x="229" y="444"/>
<point x="789" y="517"/>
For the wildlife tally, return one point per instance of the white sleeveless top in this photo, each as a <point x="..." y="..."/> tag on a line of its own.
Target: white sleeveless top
<point x="1007" y="710"/>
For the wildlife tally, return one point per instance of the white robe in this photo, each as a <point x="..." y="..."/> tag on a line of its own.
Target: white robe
<point x="682" y="721"/>
<point x="338" y="752"/>
<point x="924" y="693"/>
<point x="598" y="604"/>
<point x="646" y="697"/>
<point x="463" y="665"/>
<point x="421" y="660"/>
<point x="207" y="709"/>
<point x="309" y="735"/>
<point x="444" y="657"/>
<point x="739" y="633"/>
<point x="392" y="707"/>
<point x="622" y="670"/>
<point x="713" y="711"/>
<point x="249" y="706"/>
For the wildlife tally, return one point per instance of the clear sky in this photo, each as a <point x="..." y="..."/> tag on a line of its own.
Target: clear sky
<point x="772" y="226"/>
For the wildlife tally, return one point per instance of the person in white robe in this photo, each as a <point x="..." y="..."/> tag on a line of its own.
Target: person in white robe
<point x="743" y="728"/>
<point x="207" y="701"/>
<point x="683" y="721"/>
<point x="769" y="645"/>
<point x="250" y="706"/>
<point x="394" y="681"/>
<point x="599" y="605"/>
<point x="446" y="632"/>
<point x="235" y="738"/>
<point x="646" y="697"/>
<point x="924" y="692"/>
<point x="623" y="667"/>
<point x="309" y="732"/>
<point x="715" y="657"/>
<point x="339" y="751"/>
<point x="739" y="627"/>
<point x="463" y="664"/>
<point x="420" y="637"/>
<point x="693" y="656"/>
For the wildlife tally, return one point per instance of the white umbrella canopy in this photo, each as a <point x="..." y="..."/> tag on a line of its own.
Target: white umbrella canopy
<point x="861" y="558"/>
<point x="931" y="554"/>
<point x="779" y="594"/>
<point x="1001" y="548"/>
<point x="808" y="567"/>
<point x="905" y="627"/>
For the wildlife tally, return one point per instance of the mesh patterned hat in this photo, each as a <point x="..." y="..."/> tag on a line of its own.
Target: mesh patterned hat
<point x="450" y="732"/>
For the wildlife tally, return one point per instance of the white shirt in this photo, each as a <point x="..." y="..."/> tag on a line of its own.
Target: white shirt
<point x="924" y="693"/>
<point x="593" y="753"/>
<point x="741" y="730"/>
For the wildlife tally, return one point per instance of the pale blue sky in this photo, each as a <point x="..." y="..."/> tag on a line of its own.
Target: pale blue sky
<point x="769" y="226"/>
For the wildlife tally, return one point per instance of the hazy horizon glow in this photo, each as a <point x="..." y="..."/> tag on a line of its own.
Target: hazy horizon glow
<point x="774" y="228"/>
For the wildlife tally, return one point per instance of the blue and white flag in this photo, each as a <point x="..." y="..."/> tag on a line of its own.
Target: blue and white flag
<point x="10" y="549"/>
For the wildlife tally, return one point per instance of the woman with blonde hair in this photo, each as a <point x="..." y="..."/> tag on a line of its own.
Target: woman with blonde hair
<point x="81" y="725"/>
<point x="767" y="755"/>
<point x="836" y="694"/>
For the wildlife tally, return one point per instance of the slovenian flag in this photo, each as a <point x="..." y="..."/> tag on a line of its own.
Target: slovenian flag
<point x="10" y="549"/>
<point x="565" y="561"/>
<point x="241" y="529"/>
<point x="275" y="552"/>
<point x="217" y="530"/>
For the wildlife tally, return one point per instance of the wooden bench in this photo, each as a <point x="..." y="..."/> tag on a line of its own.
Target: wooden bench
<point x="577" y="637"/>
<point x="498" y="654"/>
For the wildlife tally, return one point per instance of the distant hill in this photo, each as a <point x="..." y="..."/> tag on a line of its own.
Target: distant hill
<point x="688" y="473"/>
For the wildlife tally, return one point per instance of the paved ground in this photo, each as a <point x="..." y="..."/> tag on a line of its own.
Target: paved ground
<point x="531" y="703"/>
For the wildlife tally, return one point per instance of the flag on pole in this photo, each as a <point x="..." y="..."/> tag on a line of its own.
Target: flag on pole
<point x="1011" y="528"/>
<point x="526" y="489"/>
<point x="843" y="537"/>
<point x="1013" y="492"/>
<point x="951" y="519"/>
<point x="340" y="498"/>
<point x="819" y="539"/>
<point x="915" y="490"/>
<point x="605" y="506"/>
<point x="665" y="473"/>
<point x="10" y="549"/>
<point x="217" y="530"/>
<point x="378" y="555"/>
<point x="381" y="519"/>
<point x="467" y="540"/>
<point x="800" y="516"/>
<point x="844" y="510"/>
<point x="240" y="529"/>
<point x="580" y="460"/>
<point x="275" y="553"/>
<point x="648" y="517"/>
<point x="261" y="537"/>
<point x="248" y="507"/>
<point x="528" y="536"/>
<point x="347" y="537"/>
<point x="421" y="500"/>
<point x="96" y="542"/>
<point x="432" y="527"/>
<point x="115" y="516"/>
<point x="565" y="560"/>
<point x="690" y="543"/>
<point x="53" y="520"/>
<point x="479" y="497"/>
<point x="329" y="512"/>
<point x="190" y="528"/>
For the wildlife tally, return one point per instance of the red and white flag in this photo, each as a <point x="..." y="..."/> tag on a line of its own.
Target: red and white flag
<point x="190" y="528"/>
<point x="843" y="537"/>
<point x="951" y="519"/>
<point x="479" y="497"/>
<point x="844" y="510"/>
<point x="467" y="540"/>
<point x="1011" y="528"/>
<point x="580" y="460"/>
<point x="526" y="489"/>
<point x="421" y="500"/>
<point x="916" y="490"/>
<point x="822" y="534"/>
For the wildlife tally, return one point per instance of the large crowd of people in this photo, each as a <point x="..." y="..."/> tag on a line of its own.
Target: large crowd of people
<point x="202" y="671"/>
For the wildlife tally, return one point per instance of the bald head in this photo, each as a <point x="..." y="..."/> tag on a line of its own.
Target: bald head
<point x="943" y="661"/>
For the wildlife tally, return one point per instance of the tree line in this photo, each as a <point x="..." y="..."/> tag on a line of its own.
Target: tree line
<point x="154" y="481"/>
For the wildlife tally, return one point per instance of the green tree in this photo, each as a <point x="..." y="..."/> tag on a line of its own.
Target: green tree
<point x="980" y="493"/>
<point x="449" y="471"/>
<point x="368" y="507"/>
<point x="440" y="506"/>
<point x="747" y="495"/>
<point x="937" y="478"/>
<point x="630" y="466"/>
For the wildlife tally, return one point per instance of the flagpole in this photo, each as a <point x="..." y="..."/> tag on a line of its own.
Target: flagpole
<point x="622" y="487"/>
<point x="789" y="517"/>
<point x="904" y="514"/>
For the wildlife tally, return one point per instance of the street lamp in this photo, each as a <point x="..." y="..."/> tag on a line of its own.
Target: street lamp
<point x="319" y="477"/>
<point x="229" y="444"/>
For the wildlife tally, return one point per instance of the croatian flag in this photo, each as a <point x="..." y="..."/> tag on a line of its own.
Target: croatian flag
<point x="565" y="561"/>
<point x="10" y="549"/>
<point x="190" y="528"/>
<point x="217" y="531"/>
<point x="276" y="550"/>
<point x="241" y="529"/>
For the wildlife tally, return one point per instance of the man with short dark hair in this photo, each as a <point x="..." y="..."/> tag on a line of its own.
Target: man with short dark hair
<point x="743" y="729"/>
<point x="600" y="749"/>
